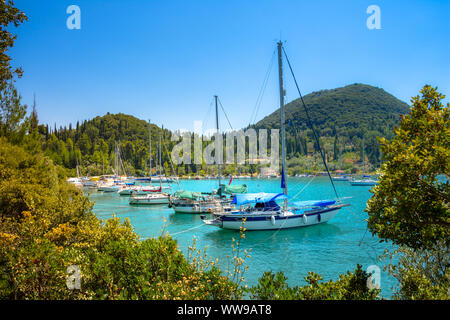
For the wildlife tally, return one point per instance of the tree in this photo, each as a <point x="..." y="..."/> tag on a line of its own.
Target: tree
<point x="12" y="112"/>
<point x="34" y="122"/>
<point x="8" y="14"/>
<point x="422" y="274"/>
<point x="349" y="286"/>
<point x="46" y="225"/>
<point x="410" y="206"/>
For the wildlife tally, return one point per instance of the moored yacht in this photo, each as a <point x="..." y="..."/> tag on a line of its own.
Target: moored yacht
<point x="264" y="213"/>
<point x="150" y="199"/>
<point x="195" y="202"/>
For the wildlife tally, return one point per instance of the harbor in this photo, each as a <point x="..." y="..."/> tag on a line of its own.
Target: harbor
<point x="328" y="248"/>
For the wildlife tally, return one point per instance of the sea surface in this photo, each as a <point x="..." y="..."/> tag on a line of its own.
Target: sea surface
<point x="328" y="249"/>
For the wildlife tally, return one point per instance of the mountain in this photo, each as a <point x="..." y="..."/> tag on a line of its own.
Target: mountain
<point x="355" y="105"/>
<point x="346" y="119"/>
<point x="92" y="143"/>
<point x="342" y="116"/>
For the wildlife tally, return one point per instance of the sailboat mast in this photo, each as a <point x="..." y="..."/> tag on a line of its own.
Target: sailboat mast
<point x="217" y="151"/>
<point x="363" y="156"/>
<point x="160" y="176"/>
<point x="115" y="162"/>
<point x="283" y="133"/>
<point x="150" y="149"/>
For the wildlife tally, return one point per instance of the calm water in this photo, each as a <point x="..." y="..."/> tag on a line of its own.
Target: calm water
<point x="329" y="249"/>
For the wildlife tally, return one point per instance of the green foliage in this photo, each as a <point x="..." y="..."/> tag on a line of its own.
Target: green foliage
<point x="410" y="205"/>
<point x="9" y="15"/>
<point x="344" y="114"/>
<point x="349" y="286"/>
<point x="350" y="113"/>
<point x="92" y="145"/>
<point x="12" y="113"/>
<point x="423" y="274"/>
<point x="47" y="225"/>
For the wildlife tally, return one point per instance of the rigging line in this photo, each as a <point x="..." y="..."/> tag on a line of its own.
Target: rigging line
<point x="206" y="118"/>
<point x="171" y="164"/>
<point x="298" y="184"/>
<point x="310" y="124"/>
<point x="362" y="239"/>
<point x="298" y="193"/>
<point x="262" y="90"/>
<point x="196" y="227"/>
<point x="221" y="106"/>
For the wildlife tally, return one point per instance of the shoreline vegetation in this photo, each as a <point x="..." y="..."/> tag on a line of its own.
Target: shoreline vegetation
<point x="47" y="225"/>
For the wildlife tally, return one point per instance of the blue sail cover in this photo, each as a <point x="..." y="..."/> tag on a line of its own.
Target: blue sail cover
<point x="314" y="203"/>
<point x="283" y="181"/>
<point x="261" y="197"/>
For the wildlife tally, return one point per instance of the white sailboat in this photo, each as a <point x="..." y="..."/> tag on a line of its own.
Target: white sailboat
<point x="117" y="181"/>
<point x="260" y="211"/>
<point x="155" y="197"/>
<point x="131" y="188"/>
<point x="366" y="180"/>
<point x="196" y="202"/>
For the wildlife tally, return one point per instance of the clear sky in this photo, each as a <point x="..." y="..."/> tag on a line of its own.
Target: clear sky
<point x="165" y="59"/>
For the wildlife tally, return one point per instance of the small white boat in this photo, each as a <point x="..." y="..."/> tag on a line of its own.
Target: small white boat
<point x="109" y="187"/>
<point x="88" y="183"/>
<point x="183" y="206"/>
<point x="341" y="178"/>
<point x="364" y="182"/>
<point x="150" y="199"/>
<point x="195" y="202"/>
<point x="77" y="182"/>
<point x="139" y="190"/>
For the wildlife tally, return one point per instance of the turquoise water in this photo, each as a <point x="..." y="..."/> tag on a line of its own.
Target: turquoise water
<point x="329" y="249"/>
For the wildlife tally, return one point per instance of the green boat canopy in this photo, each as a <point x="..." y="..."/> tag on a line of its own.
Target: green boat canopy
<point x="240" y="188"/>
<point x="189" y="195"/>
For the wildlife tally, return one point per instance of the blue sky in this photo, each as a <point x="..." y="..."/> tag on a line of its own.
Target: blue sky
<point x="164" y="60"/>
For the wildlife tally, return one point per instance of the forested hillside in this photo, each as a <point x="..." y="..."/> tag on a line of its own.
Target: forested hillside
<point x="346" y="119"/>
<point x="343" y="117"/>
<point x="91" y="144"/>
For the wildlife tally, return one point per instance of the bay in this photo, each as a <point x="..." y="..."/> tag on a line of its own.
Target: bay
<point x="328" y="249"/>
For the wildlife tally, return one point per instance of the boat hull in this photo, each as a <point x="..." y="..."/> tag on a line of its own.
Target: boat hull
<point x="138" y="191"/>
<point x="150" y="200"/>
<point x="275" y="221"/>
<point x="109" y="188"/>
<point x="364" y="183"/>
<point x="195" y="208"/>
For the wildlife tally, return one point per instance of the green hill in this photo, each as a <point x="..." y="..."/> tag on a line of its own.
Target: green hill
<point x="342" y="117"/>
<point x="92" y="144"/>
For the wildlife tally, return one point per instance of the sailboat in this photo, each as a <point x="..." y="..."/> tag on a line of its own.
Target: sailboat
<point x="366" y="180"/>
<point x="115" y="182"/>
<point x="155" y="197"/>
<point x="196" y="202"/>
<point x="128" y="190"/>
<point x="260" y="211"/>
<point x="341" y="177"/>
